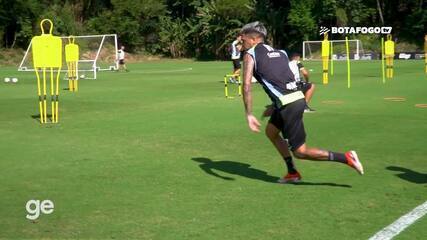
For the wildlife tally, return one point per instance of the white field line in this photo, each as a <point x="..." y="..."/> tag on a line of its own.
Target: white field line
<point x="132" y="71"/>
<point x="400" y="224"/>
<point x="164" y="71"/>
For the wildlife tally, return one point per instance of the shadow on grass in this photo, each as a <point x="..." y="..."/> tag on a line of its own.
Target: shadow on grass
<point x="236" y="168"/>
<point x="245" y="170"/>
<point x="320" y="184"/>
<point x="49" y="120"/>
<point x="409" y="175"/>
<point x="37" y="117"/>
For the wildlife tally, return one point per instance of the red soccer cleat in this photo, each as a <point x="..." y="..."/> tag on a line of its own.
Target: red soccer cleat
<point x="290" y="178"/>
<point x="353" y="161"/>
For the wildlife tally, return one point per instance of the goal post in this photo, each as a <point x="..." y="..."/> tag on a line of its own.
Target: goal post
<point x="97" y="53"/>
<point x="312" y="50"/>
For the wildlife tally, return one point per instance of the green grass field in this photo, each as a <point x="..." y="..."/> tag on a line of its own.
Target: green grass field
<point x="159" y="153"/>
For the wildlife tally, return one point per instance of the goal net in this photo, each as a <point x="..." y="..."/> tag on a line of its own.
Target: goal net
<point x="96" y="53"/>
<point x="312" y="50"/>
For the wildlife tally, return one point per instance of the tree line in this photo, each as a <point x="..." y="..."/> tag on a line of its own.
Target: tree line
<point x="203" y="28"/>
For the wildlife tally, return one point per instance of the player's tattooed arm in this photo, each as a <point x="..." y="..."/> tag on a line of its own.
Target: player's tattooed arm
<point x="248" y="66"/>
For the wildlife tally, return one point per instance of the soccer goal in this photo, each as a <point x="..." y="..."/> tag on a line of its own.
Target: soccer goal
<point x="96" y="53"/>
<point x="312" y="50"/>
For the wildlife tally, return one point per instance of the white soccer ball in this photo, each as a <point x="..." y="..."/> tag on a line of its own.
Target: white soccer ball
<point x="14" y="80"/>
<point x="82" y="76"/>
<point x="6" y="80"/>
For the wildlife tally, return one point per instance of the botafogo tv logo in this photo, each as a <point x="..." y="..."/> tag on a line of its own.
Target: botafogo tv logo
<point x="355" y="30"/>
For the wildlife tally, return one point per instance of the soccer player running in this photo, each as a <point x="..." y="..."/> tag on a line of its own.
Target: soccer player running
<point x="271" y="68"/>
<point x="303" y="83"/>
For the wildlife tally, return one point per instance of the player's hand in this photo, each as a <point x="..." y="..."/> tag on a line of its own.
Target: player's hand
<point x="253" y="123"/>
<point x="268" y="111"/>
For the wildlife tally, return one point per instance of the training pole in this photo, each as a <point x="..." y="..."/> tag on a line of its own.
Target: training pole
<point x="39" y="92"/>
<point x="332" y="59"/>
<point x="425" y="52"/>
<point x="348" y="63"/>
<point x="44" y="95"/>
<point x="225" y="87"/>
<point x="382" y="59"/>
<point x="239" y="82"/>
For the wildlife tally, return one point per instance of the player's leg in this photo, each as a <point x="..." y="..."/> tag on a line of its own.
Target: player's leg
<point x="279" y="143"/>
<point x="315" y="154"/>
<point x="294" y="129"/>
<point x="236" y="70"/>
<point x="236" y="67"/>
<point x="273" y="133"/>
<point x="121" y="64"/>
<point x="309" y="92"/>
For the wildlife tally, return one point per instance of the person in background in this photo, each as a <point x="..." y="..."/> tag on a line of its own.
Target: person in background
<point x="302" y="82"/>
<point x="236" y="47"/>
<point x="121" y="59"/>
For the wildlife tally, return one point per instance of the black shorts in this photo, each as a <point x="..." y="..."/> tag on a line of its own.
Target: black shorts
<point x="288" y="120"/>
<point x="121" y="61"/>
<point x="236" y="64"/>
<point x="304" y="86"/>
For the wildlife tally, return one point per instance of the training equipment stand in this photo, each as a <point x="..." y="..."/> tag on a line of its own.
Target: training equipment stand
<point x="238" y="81"/>
<point x="47" y="56"/>
<point x="72" y="59"/>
